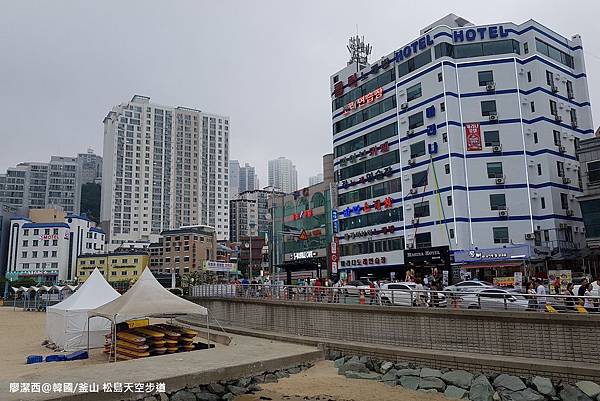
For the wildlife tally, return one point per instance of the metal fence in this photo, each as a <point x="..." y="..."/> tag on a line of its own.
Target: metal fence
<point x="383" y="297"/>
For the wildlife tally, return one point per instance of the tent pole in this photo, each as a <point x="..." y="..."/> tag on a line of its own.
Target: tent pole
<point x="207" y="329"/>
<point x="88" y="335"/>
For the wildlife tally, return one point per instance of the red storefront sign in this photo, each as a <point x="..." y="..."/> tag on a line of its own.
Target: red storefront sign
<point x="363" y="100"/>
<point x="302" y="214"/>
<point x="473" y="133"/>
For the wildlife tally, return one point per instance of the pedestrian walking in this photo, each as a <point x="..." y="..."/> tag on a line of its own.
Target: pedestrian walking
<point x="569" y="301"/>
<point x="581" y="290"/>
<point x="541" y="295"/>
<point x="372" y="293"/>
<point x="588" y="303"/>
<point x="531" y="295"/>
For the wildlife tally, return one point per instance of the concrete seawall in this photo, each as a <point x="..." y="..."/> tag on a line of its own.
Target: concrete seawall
<point x="558" y="345"/>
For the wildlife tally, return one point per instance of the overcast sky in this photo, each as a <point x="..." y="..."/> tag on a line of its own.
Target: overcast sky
<point x="266" y="64"/>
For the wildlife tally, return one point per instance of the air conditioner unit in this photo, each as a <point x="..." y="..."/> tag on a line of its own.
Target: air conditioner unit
<point x="413" y="191"/>
<point x="410" y="245"/>
<point x="557" y="118"/>
<point x="415" y="221"/>
<point x="500" y="180"/>
<point x="410" y="132"/>
<point x="566" y="180"/>
<point x="572" y="196"/>
<point x="583" y="229"/>
<point x="574" y="124"/>
<point x="493" y="117"/>
<point x="529" y="236"/>
<point x="502" y="213"/>
<point x="561" y="105"/>
<point x="554" y="88"/>
<point x="404" y="106"/>
<point x="411" y="162"/>
<point x="491" y="86"/>
<point x="497" y="149"/>
<point x="571" y="96"/>
<point x="561" y="149"/>
<point x="576" y="229"/>
<point x="534" y="195"/>
<point x="570" y="212"/>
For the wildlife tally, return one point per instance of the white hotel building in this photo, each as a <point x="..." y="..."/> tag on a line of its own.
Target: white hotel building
<point x="47" y="251"/>
<point x="164" y="167"/>
<point x="400" y="131"/>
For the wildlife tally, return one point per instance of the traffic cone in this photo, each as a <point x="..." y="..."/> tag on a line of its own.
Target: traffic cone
<point x="361" y="298"/>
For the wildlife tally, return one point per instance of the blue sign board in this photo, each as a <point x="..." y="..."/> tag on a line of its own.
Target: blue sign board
<point x="410" y="50"/>
<point x="489" y="32"/>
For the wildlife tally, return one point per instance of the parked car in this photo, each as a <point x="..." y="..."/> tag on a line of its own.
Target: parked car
<point x="469" y="286"/>
<point x="354" y="287"/>
<point x="402" y="294"/>
<point x="494" y="298"/>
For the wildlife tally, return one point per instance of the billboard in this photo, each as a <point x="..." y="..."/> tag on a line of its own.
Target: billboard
<point x="473" y="133"/>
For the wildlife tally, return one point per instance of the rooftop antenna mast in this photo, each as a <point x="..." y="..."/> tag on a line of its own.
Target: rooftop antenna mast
<point x="359" y="50"/>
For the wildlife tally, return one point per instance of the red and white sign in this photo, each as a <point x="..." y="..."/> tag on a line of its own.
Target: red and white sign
<point x="473" y="132"/>
<point x="302" y="214"/>
<point x="334" y="255"/>
<point x="363" y="100"/>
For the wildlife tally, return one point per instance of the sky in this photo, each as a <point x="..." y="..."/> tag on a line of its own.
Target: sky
<point x="265" y="64"/>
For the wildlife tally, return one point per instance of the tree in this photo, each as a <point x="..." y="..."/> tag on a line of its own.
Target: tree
<point x="90" y="200"/>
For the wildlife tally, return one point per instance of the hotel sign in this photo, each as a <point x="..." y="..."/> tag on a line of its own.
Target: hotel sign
<point x="471" y="34"/>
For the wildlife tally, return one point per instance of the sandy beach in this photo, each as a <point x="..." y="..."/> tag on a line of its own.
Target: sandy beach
<point x="22" y="334"/>
<point x="321" y="382"/>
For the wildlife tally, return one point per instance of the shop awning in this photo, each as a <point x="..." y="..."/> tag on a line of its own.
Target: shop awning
<point x="495" y="265"/>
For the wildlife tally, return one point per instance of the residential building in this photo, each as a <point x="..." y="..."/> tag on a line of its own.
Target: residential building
<point x="117" y="267"/>
<point x="304" y="234"/>
<point x="36" y="185"/>
<point x="261" y="197"/>
<point x="164" y="167"/>
<point x="462" y="139"/>
<point x="48" y="249"/>
<point x="315" y="179"/>
<point x="90" y="167"/>
<point x="185" y="249"/>
<point x="589" y="158"/>
<point x="6" y="214"/>
<point x="283" y="175"/>
<point x="248" y="179"/>
<point x="234" y="179"/>
<point x="243" y="218"/>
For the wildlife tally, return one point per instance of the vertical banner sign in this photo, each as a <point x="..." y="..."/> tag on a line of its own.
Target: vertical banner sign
<point x="334" y="255"/>
<point x="473" y="132"/>
<point x="518" y="281"/>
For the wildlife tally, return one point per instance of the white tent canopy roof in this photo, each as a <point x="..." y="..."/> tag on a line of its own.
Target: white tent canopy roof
<point x="94" y="292"/>
<point x="147" y="298"/>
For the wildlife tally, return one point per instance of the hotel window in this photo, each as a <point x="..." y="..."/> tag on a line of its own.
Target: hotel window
<point x="554" y="53"/>
<point x="539" y="169"/>
<point x="543" y="202"/>
<point x="526" y="48"/>
<point x="26" y="232"/>
<point x="45" y="253"/>
<point x="421" y="209"/>
<point x="553" y="108"/>
<point x="419" y="179"/>
<point x="442" y="106"/>
<point x="564" y="201"/>
<point x="417" y="149"/>
<point x="494" y="170"/>
<point x="36" y="231"/>
<point x="449" y="200"/>
<point x="570" y="93"/>
<point x="532" y="105"/>
<point x="528" y="76"/>
<point x="34" y="254"/>
<point x="556" y="136"/>
<point x="491" y="138"/>
<point x="414" y="92"/>
<point x="573" y="115"/>
<point x="485" y="77"/>
<point x="415" y="121"/>
<point x="549" y="78"/>
<point x="500" y="235"/>
<point x="488" y="107"/>
<point x="25" y="242"/>
<point x="423" y="240"/>
<point x="54" y="253"/>
<point x="497" y="202"/>
<point x="414" y="63"/>
<point x="447" y="168"/>
<point x="24" y="254"/>
<point x="560" y="168"/>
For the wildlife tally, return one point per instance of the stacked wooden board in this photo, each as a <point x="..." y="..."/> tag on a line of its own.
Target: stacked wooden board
<point x="140" y="342"/>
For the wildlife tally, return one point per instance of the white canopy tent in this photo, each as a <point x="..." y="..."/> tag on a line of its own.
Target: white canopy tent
<point x="147" y="298"/>
<point x="67" y="321"/>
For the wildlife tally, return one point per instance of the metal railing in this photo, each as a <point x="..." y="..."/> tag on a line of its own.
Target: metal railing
<point x="384" y="297"/>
